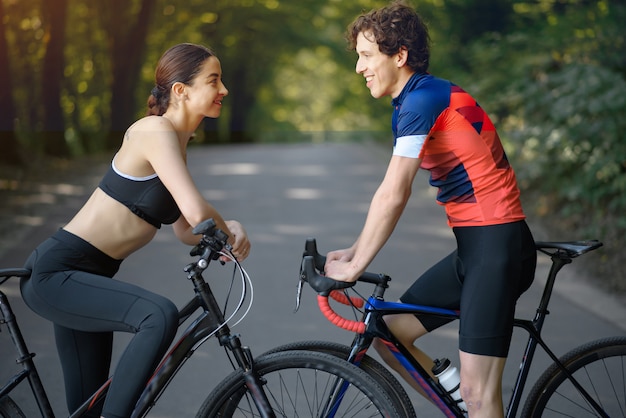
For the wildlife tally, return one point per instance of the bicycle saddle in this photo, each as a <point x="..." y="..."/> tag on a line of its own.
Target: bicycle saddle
<point x="571" y="248"/>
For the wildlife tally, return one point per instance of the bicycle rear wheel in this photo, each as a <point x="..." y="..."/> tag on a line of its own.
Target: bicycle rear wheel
<point x="369" y="365"/>
<point x="600" y="368"/>
<point x="300" y="384"/>
<point x="9" y="409"/>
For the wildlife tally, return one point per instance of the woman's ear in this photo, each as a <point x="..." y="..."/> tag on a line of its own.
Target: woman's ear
<point x="178" y="89"/>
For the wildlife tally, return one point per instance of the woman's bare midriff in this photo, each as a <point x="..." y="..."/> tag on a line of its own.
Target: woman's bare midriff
<point x="110" y="226"/>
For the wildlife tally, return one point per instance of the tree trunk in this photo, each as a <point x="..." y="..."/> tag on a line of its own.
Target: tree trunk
<point x="127" y="52"/>
<point x="9" y="146"/>
<point x="242" y="102"/>
<point x="55" y="15"/>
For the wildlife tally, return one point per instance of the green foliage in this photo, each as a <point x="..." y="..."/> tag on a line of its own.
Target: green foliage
<point x="559" y="96"/>
<point x="298" y="74"/>
<point x="577" y="116"/>
<point x="551" y="73"/>
<point x="24" y="31"/>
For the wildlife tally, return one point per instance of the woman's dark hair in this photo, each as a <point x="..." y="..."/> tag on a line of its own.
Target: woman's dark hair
<point x="394" y="27"/>
<point x="181" y="63"/>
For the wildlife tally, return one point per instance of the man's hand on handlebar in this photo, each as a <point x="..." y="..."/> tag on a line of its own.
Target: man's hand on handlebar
<point x="343" y="271"/>
<point x="339" y="266"/>
<point x="341" y="255"/>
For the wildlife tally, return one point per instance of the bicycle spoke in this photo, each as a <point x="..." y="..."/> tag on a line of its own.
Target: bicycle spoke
<point x="301" y="384"/>
<point x="306" y="393"/>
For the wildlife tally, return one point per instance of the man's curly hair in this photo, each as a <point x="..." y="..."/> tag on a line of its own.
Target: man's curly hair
<point x="394" y="27"/>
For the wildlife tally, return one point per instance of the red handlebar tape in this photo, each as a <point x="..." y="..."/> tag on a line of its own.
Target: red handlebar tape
<point x="335" y="319"/>
<point x="343" y="298"/>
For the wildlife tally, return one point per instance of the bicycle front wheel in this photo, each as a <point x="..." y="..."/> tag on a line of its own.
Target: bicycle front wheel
<point x="302" y="384"/>
<point x="368" y="364"/>
<point x="599" y="367"/>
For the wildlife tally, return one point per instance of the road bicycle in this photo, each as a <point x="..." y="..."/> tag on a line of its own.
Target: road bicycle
<point x="588" y="381"/>
<point x="283" y="384"/>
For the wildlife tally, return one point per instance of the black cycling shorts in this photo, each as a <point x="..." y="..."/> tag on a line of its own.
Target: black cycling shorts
<point x="492" y="266"/>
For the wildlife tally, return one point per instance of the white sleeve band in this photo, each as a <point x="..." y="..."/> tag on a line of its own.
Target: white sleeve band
<point x="409" y="146"/>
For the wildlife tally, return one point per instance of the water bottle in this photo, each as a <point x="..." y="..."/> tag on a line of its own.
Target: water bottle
<point x="450" y="380"/>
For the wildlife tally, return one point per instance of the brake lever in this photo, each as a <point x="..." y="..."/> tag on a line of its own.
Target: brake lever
<point x="299" y="293"/>
<point x="300" y="286"/>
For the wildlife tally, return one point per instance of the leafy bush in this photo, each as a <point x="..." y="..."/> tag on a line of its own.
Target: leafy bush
<point x="574" y="157"/>
<point x="559" y="96"/>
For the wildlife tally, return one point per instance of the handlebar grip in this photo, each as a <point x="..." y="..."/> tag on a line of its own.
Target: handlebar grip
<point x="347" y="300"/>
<point x="205" y="227"/>
<point x="322" y="284"/>
<point x="336" y="319"/>
<point x="319" y="263"/>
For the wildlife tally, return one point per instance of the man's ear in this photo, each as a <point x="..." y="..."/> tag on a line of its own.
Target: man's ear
<point x="402" y="57"/>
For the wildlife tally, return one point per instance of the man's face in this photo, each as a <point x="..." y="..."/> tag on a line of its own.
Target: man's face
<point x="381" y="71"/>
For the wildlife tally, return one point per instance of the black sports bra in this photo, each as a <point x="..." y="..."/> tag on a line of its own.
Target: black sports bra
<point x="146" y="197"/>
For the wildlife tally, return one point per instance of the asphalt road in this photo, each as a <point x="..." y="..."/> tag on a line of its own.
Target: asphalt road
<point x="284" y="194"/>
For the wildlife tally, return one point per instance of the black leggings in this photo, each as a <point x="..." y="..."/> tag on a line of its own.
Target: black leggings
<point x="492" y="266"/>
<point x="72" y="286"/>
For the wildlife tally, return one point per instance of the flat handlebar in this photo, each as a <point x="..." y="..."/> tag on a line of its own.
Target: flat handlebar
<point x="212" y="243"/>
<point x="213" y="239"/>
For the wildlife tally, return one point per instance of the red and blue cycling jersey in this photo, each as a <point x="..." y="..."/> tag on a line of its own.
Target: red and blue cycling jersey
<point x="441" y="124"/>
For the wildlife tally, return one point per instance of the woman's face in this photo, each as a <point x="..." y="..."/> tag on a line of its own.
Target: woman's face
<point x="206" y="91"/>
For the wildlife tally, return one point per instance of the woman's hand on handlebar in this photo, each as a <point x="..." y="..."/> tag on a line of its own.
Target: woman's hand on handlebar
<point x="241" y="244"/>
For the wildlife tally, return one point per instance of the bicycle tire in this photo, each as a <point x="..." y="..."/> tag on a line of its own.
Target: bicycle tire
<point x="298" y="383"/>
<point x="368" y="364"/>
<point x="599" y="366"/>
<point x="9" y="409"/>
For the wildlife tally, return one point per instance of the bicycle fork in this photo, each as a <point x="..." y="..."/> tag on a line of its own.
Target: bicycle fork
<point x="243" y="355"/>
<point x="340" y="386"/>
<point x="254" y="382"/>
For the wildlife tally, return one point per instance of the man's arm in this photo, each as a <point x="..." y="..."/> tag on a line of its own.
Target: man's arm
<point x="385" y="210"/>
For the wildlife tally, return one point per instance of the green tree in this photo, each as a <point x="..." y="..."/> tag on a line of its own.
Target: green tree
<point x="24" y="32"/>
<point x="559" y="91"/>
<point x="54" y="17"/>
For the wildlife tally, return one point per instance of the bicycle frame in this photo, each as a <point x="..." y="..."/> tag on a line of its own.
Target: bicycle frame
<point x="209" y="322"/>
<point x="375" y="309"/>
<point x="375" y="327"/>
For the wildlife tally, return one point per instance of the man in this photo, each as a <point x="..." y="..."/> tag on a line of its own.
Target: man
<point x="439" y="127"/>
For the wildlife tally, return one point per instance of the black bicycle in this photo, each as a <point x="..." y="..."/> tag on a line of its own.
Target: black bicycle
<point x="588" y="381"/>
<point x="283" y="384"/>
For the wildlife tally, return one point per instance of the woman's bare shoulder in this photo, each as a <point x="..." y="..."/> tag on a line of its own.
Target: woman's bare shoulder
<point x="152" y="123"/>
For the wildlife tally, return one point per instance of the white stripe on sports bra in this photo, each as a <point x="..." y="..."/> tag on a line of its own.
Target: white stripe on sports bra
<point x="129" y="177"/>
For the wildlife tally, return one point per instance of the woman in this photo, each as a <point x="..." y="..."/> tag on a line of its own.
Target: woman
<point x="147" y="185"/>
